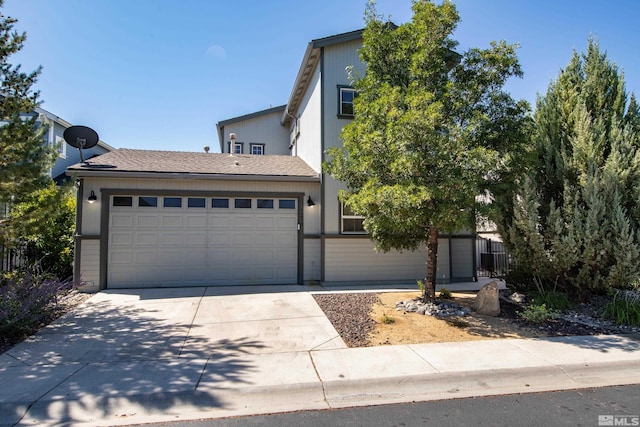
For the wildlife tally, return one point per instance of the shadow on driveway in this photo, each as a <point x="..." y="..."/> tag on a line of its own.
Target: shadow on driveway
<point x="108" y="355"/>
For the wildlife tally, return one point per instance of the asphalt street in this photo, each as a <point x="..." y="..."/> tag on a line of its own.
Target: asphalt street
<point x="582" y="407"/>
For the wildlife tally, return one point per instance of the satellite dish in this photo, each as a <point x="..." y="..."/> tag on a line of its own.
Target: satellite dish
<point x="81" y="137"/>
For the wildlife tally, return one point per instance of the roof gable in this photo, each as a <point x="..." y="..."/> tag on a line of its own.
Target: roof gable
<point x="309" y="63"/>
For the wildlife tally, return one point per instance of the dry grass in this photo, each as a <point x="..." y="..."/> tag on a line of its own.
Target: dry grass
<point x="413" y="328"/>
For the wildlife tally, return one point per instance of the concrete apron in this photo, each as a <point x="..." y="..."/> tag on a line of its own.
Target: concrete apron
<point x="151" y="355"/>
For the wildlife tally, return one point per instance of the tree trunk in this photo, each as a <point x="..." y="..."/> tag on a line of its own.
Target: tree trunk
<point x="432" y="263"/>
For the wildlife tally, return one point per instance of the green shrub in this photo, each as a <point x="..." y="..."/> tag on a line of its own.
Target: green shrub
<point x="554" y="300"/>
<point x="43" y="225"/>
<point x="537" y="314"/>
<point x="445" y="293"/>
<point x="624" y="310"/>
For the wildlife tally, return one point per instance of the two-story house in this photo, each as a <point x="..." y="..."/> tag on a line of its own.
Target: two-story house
<point x="259" y="212"/>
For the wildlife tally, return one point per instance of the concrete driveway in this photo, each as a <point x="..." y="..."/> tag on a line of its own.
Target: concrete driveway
<point x="125" y="348"/>
<point x="151" y="355"/>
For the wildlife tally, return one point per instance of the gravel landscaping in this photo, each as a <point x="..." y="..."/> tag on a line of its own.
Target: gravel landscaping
<point x="350" y="314"/>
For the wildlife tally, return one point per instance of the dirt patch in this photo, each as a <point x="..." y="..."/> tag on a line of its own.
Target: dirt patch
<point x="399" y="327"/>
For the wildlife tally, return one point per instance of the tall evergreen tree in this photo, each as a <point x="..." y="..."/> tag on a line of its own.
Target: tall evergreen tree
<point x="576" y="217"/>
<point x="432" y="130"/>
<point x="24" y="157"/>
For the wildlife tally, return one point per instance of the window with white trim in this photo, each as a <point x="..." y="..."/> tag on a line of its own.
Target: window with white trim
<point x="236" y="148"/>
<point x="346" y="95"/>
<point x="257" y="149"/>
<point x="62" y="147"/>
<point x="351" y="223"/>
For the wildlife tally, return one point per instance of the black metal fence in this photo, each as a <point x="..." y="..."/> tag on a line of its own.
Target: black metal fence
<point x="492" y="258"/>
<point x="11" y="258"/>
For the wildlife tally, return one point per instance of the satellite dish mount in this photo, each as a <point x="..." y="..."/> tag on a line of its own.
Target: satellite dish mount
<point x="81" y="137"/>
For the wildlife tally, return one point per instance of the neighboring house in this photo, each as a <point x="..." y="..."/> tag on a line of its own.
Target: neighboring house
<point x="260" y="212"/>
<point x="67" y="155"/>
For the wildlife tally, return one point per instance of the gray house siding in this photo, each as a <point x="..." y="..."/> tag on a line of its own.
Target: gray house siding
<point x="262" y="127"/>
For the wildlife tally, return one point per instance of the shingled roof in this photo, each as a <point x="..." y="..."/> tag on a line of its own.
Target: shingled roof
<point x="128" y="162"/>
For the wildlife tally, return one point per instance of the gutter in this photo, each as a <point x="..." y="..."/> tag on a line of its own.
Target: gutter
<point x="181" y="175"/>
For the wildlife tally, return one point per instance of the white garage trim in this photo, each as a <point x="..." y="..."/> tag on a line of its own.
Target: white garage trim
<point x="107" y="210"/>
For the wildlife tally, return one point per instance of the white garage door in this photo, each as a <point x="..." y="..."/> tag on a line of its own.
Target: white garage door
<point x="191" y="241"/>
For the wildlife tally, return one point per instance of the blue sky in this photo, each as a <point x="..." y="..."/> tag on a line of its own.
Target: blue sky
<point x="159" y="74"/>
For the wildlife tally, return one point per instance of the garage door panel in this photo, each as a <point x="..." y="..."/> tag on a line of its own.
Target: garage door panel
<point x="265" y="273"/>
<point x="121" y="257"/>
<point x="220" y="222"/>
<point x="121" y="276"/>
<point x="172" y="221"/>
<point x="286" y="240"/>
<point x="121" y="239"/>
<point x="195" y="259"/>
<point x="173" y="246"/>
<point x="262" y="258"/>
<point x="242" y="239"/>
<point x="123" y="220"/>
<point x="146" y="239"/>
<point x="243" y="222"/>
<point x="286" y="274"/>
<point x="196" y="240"/>
<point x="197" y="221"/>
<point x="264" y="222"/>
<point x="287" y="223"/>
<point x="147" y="221"/>
<point x="220" y="239"/>
<point x="263" y="239"/>
<point x="146" y="257"/>
<point x="171" y="239"/>
<point x="241" y="258"/>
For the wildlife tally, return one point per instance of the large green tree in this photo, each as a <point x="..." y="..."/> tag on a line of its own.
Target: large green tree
<point x="433" y="131"/>
<point x="24" y="157"/>
<point x="576" y="217"/>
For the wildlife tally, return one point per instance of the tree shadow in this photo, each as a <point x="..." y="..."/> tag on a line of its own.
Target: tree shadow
<point x="104" y="356"/>
<point x="628" y="343"/>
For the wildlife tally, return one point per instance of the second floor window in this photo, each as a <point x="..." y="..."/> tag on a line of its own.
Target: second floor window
<point x="62" y="147"/>
<point x="257" y="149"/>
<point x="347" y="95"/>
<point x="237" y="148"/>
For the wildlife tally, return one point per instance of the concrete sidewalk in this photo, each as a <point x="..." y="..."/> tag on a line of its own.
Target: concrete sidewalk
<point x="136" y="356"/>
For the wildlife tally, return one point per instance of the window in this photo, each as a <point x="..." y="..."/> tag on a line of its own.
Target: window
<point x="196" y="202"/>
<point x="219" y="203"/>
<point x="238" y="148"/>
<point x="172" y="202"/>
<point x="62" y="147"/>
<point x="286" y="204"/>
<point x="257" y="149"/>
<point x="242" y="203"/>
<point x="122" y="201"/>
<point x="345" y="99"/>
<point x="351" y="223"/>
<point x="147" y="202"/>
<point x="265" y="203"/>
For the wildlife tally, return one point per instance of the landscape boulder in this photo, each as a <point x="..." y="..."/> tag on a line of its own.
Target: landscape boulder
<point x="487" y="301"/>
